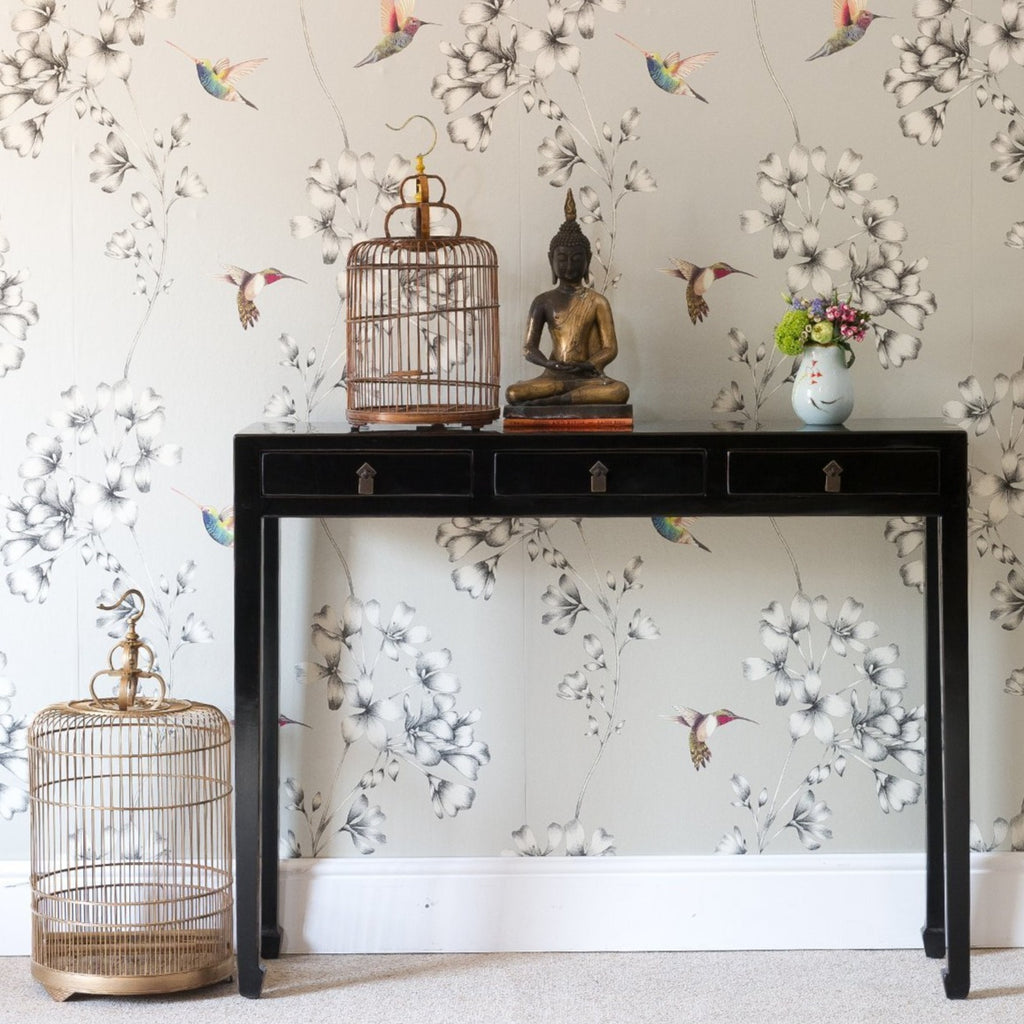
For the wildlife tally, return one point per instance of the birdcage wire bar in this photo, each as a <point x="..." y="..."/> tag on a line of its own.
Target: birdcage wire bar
<point x="131" y="863"/>
<point x="422" y="334"/>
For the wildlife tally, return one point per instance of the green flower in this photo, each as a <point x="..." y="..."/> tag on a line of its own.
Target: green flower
<point x="821" y="332"/>
<point x="790" y="332"/>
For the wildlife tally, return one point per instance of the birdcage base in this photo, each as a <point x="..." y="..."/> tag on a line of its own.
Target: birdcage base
<point x="87" y="965"/>
<point x="427" y="415"/>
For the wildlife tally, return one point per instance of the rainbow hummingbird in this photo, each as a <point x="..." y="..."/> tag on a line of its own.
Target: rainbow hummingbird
<point x="851" y="23"/>
<point x="249" y="286"/>
<point x="698" y="281"/>
<point x="670" y="73"/>
<point x="219" y="79"/>
<point x="678" y="529"/>
<point x="701" y="727"/>
<point x="219" y="525"/>
<point x="398" y="26"/>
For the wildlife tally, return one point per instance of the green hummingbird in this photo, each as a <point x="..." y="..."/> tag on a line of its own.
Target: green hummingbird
<point x="851" y="23"/>
<point x="220" y="525"/>
<point x="249" y="286"/>
<point x="670" y="73"/>
<point x="701" y="727"/>
<point x="698" y="281"/>
<point x="218" y="79"/>
<point x="678" y="529"/>
<point x="398" y="26"/>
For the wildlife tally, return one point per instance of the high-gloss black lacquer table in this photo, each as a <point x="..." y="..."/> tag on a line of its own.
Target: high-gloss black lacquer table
<point x="884" y="468"/>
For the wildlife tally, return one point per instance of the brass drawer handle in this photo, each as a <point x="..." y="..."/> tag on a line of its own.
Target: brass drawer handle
<point x="833" y="471"/>
<point x="598" y="478"/>
<point x="366" y="473"/>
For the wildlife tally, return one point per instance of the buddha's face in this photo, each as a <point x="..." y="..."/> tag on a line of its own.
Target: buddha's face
<point x="569" y="264"/>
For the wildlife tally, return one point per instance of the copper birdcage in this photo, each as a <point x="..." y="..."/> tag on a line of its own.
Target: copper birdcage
<point x="131" y="856"/>
<point x="423" y="321"/>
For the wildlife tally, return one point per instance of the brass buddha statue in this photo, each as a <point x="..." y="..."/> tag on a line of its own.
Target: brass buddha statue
<point x="582" y="331"/>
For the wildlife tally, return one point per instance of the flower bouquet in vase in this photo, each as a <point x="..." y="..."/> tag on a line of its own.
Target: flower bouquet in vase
<point x="820" y="332"/>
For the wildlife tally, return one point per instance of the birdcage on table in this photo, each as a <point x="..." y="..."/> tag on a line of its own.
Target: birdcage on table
<point x="422" y="337"/>
<point x="131" y="856"/>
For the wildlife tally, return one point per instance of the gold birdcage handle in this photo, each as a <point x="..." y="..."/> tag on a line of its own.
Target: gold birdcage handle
<point x="128" y="686"/>
<point x="422" y="193"/>
<point x="423" y="207"/>
<point x="129" y="672"/>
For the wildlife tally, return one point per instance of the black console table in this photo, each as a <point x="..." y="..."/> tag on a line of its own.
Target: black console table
<point x="884" y="468"/>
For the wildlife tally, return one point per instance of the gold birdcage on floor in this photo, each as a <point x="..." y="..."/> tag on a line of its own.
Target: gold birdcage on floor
<point x="422" y="334"/>
<point x="131" y="856"/>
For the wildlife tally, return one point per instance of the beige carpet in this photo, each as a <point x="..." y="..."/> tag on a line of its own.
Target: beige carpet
<point x="894" y="987"/>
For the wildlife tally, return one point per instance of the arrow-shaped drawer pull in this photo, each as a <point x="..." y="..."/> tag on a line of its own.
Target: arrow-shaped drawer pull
<point x="366" y="473"/>
<point x="833" y="471"/>
<point x="598" y="478"/>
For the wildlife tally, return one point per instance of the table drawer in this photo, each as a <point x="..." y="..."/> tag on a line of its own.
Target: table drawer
<point x="846" y="471"/>
<point x="381" y="472"/>
<point x="590" y="471"/>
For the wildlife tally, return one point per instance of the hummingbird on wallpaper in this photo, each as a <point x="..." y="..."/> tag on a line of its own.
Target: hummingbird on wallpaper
<point x="677" y="529"/>
<point x="701" y="727"/>
<point x="670" y="73"/>
<point x="219" y="525"/>
<point x="249" y="286"/>
<point x="398" y="26"/>
<point x="219" y="79"/>
<point x="851" y="23"/>
<point x="698" y="281"/>
<point x="282" y="721"/>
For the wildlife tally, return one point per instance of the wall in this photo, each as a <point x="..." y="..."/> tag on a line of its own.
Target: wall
<point x="474" y="689"/>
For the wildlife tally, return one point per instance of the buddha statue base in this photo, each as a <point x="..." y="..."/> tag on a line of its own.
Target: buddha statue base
<point x="567" y="417"/>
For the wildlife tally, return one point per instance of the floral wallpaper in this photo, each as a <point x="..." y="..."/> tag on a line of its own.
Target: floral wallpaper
<point x="529" y="686"/>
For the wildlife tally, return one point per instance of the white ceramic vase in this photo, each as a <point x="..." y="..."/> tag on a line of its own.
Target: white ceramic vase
<point x="823" y="387"/>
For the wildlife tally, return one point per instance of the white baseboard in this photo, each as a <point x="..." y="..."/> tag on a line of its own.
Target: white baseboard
<point x="863" y="901"/>
<point x="15" y="908"/>
<point x="856" y="901"/>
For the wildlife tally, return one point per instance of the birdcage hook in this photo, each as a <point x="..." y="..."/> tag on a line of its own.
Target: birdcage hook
<point x="136" y="615"/>
<point x="421" y="200"/>
<point x="413" y="117"/>
<point x="129" y="673"/>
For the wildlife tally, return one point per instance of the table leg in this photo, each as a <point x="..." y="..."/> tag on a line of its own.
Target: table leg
<point x="934" y="930"/>
<point x="270" y="933"/>
<point x="248" y="760"/>
<point x="956" y="753"/>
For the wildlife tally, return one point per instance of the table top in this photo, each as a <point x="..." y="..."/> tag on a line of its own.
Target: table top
<point x="642" y="428"/>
